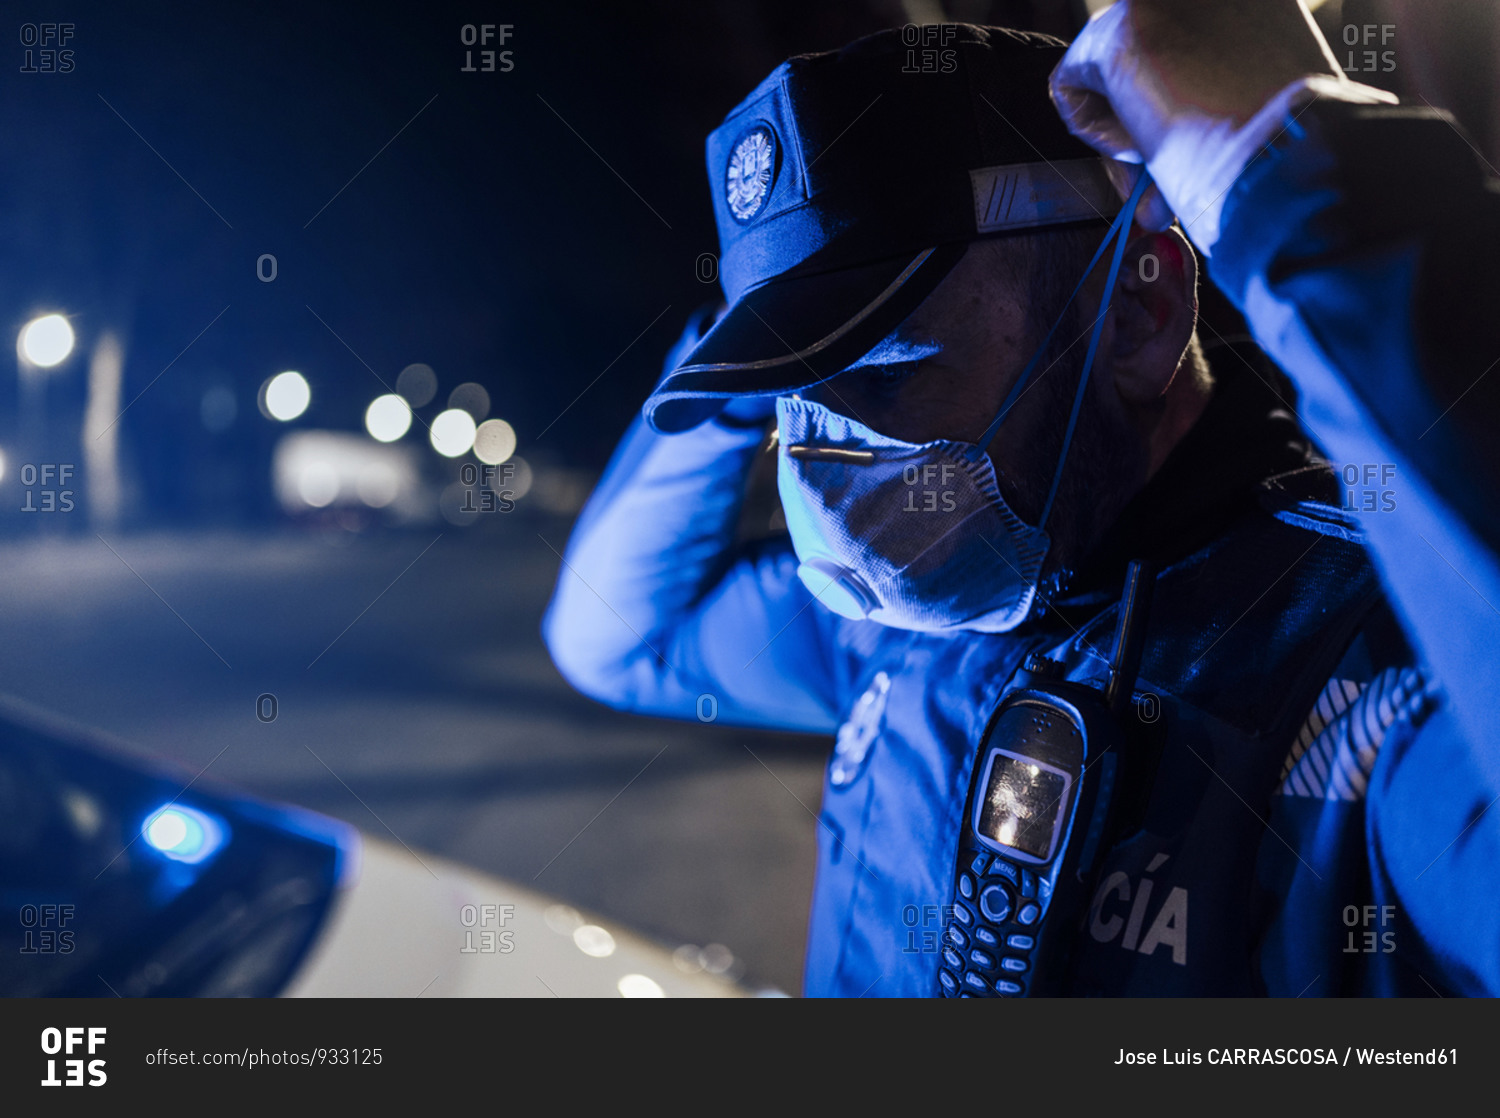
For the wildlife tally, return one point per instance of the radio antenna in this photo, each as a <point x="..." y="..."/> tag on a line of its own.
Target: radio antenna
<point x="1130" y="634"/>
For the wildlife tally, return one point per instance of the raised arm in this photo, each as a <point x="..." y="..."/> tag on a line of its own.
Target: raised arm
<point x="1359" y="238"/>
<point x="656" y="606"/>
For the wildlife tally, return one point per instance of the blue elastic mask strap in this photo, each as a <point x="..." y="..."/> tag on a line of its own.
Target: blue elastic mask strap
<point x="1118" y="227"/>
<point x="1123" y="229"/>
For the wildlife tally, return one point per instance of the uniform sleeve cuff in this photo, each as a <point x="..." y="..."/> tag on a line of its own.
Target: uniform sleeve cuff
<point x="1201" y="156"/>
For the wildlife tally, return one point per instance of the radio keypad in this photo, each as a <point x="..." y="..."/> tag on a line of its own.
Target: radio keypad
<point x="987" y="945"/>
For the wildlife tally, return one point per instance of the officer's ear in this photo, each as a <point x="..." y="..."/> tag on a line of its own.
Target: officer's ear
<point x="1154" y="312"/>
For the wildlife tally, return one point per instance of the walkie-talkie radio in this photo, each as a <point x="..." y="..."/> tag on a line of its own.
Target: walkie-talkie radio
<point x="1040" y="809"/>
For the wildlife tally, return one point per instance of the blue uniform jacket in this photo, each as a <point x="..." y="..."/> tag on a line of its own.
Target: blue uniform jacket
<point x="1339" y="847"/>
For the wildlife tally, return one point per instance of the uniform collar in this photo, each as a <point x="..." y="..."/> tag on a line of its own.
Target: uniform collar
<point x="1247" y="434"/>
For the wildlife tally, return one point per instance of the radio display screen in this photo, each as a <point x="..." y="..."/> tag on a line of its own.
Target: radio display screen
<point x="1023" y="804"/>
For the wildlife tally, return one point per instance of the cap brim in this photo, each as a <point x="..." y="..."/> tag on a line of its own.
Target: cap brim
<point x="796" y="331"/>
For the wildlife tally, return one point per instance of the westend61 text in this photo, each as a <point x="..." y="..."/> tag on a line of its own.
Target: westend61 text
<point x="1321" y="1057"/>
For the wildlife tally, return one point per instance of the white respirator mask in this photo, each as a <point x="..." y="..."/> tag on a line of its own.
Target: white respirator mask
<point x="917" y="535"/>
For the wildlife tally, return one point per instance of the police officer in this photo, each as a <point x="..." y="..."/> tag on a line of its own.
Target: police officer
<point x="990" y="399"/>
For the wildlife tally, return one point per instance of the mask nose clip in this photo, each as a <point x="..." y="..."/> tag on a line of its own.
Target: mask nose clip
<point x="839" y="588"/>
<point x="831" y="454"/>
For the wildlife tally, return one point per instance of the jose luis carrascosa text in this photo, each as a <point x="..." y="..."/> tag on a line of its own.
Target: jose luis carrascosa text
<point x="1318" y="1057"/>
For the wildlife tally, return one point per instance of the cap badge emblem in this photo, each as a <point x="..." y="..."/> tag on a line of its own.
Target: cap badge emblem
<point x="747" y="179"/>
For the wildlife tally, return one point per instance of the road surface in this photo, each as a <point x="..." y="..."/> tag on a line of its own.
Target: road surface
<point x="414" y="698"/>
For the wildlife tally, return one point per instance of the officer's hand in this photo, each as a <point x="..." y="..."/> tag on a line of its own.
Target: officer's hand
<point x="1142" y="66"/>
<point x="1171" y="83"/>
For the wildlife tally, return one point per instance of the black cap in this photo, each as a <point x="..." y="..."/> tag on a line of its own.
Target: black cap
<point x="850" y="182"/>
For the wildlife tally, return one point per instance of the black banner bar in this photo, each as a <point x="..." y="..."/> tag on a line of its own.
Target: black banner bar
<point x="371" y="1051"/>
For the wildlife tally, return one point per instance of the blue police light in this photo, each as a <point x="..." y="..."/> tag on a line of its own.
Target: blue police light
<point x="183" y="834"/>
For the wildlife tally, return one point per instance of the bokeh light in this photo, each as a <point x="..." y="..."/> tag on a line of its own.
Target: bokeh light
<point x="639" y="986"/>
<point x="594" y="940"/>
<point x="378" y="485"/>
<point x="459" y="505"/>
<point x="562" y="919"/>
<point x="286" y="396"/>
<point x="494" y="441"/>
<point x="387" y="418"/>
<point x="518" y="483"/>
<point x="318" y="484"/>
<point x="47" y="341"/>
<point x="472" y="398"/>
<point x="453" y="433"/>
<point x="418" y="384"/>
